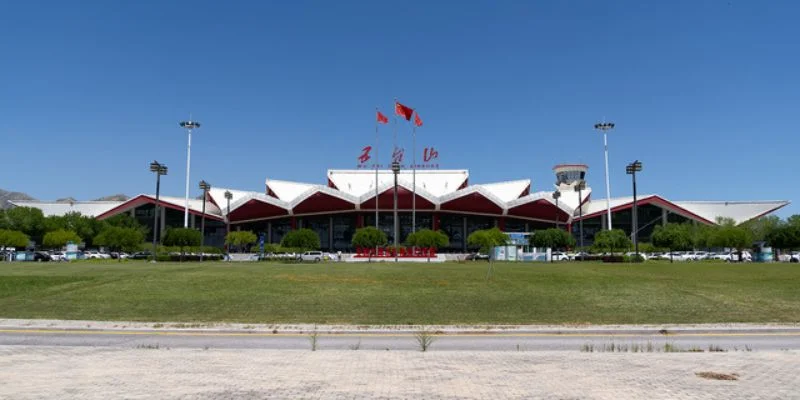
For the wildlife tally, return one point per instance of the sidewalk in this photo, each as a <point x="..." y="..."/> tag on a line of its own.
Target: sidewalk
<point x="104" y="373"/>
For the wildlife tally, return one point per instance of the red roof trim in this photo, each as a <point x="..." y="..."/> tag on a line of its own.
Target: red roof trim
<point x="655" y="200"/>
<point x="145" y="199"/>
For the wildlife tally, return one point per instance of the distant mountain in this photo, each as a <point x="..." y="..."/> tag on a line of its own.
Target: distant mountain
<point x="114" y="197"/>
<point x="6" y="196"/>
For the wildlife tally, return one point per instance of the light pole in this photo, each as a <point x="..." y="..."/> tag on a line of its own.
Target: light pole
<point x="556" y="196"/>
<point x="159" y="169"/>
<point x="204" y="186"/>
<point x="188" y="125"/>
<point x="605" y="127"/>
<point x="631" y="169"/>
<point x="228" y="196"/>
<point x="395" y="171"/>
<point x="579" y="188"/>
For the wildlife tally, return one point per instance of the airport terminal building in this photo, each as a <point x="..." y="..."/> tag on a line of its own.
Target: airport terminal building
<point x="439" y="199"/>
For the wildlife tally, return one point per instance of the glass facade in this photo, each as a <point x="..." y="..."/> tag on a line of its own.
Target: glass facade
<point x="650" y="216"/>
<point x="344" y="226"/>
<point x="321" y="226"/>
<point x="453" y="226"/>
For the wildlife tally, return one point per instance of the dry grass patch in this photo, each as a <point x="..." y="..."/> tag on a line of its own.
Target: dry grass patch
<point x="717" y="376"/>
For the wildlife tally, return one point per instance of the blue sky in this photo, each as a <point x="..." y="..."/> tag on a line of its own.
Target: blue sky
<point x="705" y="93"/>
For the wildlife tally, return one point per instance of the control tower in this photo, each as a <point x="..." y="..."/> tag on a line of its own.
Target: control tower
<point x="568" y="176"/>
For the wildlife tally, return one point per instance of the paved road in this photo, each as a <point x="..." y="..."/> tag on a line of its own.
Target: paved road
<point x="757" y="341"/>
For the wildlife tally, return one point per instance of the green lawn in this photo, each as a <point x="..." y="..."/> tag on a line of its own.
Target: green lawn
<point x="564" y="293"/>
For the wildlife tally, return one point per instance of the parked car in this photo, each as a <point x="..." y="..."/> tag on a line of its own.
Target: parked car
<point x="313" y="256"/>
<point x="41" y="256"/>
<point x="559" y="256"/>
<point x="57" y="256"/>
<point x="733" y="256"/>
<point x="633" y="254"/>
<point x="141" y="255"/>
<point x="697" y="256"/>
<point x="477" y="256"/>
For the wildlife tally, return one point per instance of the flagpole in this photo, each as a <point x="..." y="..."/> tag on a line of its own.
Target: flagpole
<point x="377" y="161"/>
<point x="414" y="181"/>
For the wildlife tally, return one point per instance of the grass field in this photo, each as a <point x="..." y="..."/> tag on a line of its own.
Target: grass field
<point x="564" y="293"/>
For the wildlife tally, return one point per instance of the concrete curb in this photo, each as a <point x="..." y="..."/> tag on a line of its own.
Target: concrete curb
<point x="237" y="328"/>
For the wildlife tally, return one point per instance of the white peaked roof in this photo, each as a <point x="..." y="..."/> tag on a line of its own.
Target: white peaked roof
<point x="544" y="196"/>
<point x="218" y="195"/>
<point x="288" y="191"/>
<point x="739" y="211"/>
<point x="599" y="205"/>
<point x="194" y="204"/>
<point x="53" y="209"/>
<point x="258" y="197"/>
<point x="362" y="181"/>
<point x="509" y="190"/>
<point x="406" y="184"/>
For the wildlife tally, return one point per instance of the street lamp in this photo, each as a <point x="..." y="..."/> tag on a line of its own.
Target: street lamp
<point x="188" y="125"/>
<point x="228" y="196"/>
<point x="556" y="196"/>
<point x="205" y="187"/>
<point x="605" y="127"/>
<point x="159" y="169"/>
<point x="395" y="171"/>
<point x="579" y="188"/>
<point x="631" y="169"/>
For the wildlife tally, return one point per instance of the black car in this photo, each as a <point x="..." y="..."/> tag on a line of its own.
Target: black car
<point x="142" y="255"/>
<point x="41" y="256"/>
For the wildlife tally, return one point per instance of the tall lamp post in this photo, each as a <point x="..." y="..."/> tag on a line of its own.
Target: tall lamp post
<point x="228" y="197"/>
<point x="158" y="169"/>
<point x="579" y="188"/>
<point x="631" y="169"/>
<point x="205" y="187"/>
<point x="188" y="125"/>
<point x="605" y="127"/>
<point x="395" y="171"/>
<point x="556" y="196"/>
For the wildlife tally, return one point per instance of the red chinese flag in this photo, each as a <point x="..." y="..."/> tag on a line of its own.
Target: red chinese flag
<point x="403" y="111"/>
<point x="417" y="120"/>
<point x="382" y="118"/>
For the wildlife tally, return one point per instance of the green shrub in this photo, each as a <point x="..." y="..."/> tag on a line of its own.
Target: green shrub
<point x="301" y="238"/>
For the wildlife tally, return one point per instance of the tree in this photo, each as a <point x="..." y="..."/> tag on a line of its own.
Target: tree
<point x="85" y="227"/>
<point x="486" y="240"/>
<point x="615" y="239"/>
<point x="553" y="238"/>
<point x="240" y="239"/>
<point x="182" y="237"/>
<point x="428" y="238"/>
<point x="732" y="237"/>
<point x="369" y="237"/>
<point x="120" y="239"/>
<point x="304" y="239"/>
<point x="59" y="238"/>
<point x="760" y="228"/>
<point x="675" y="237"/>
<point x="27" y="220"/>
<point x="9" y="238"/>
<point x="784" y="237"/>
